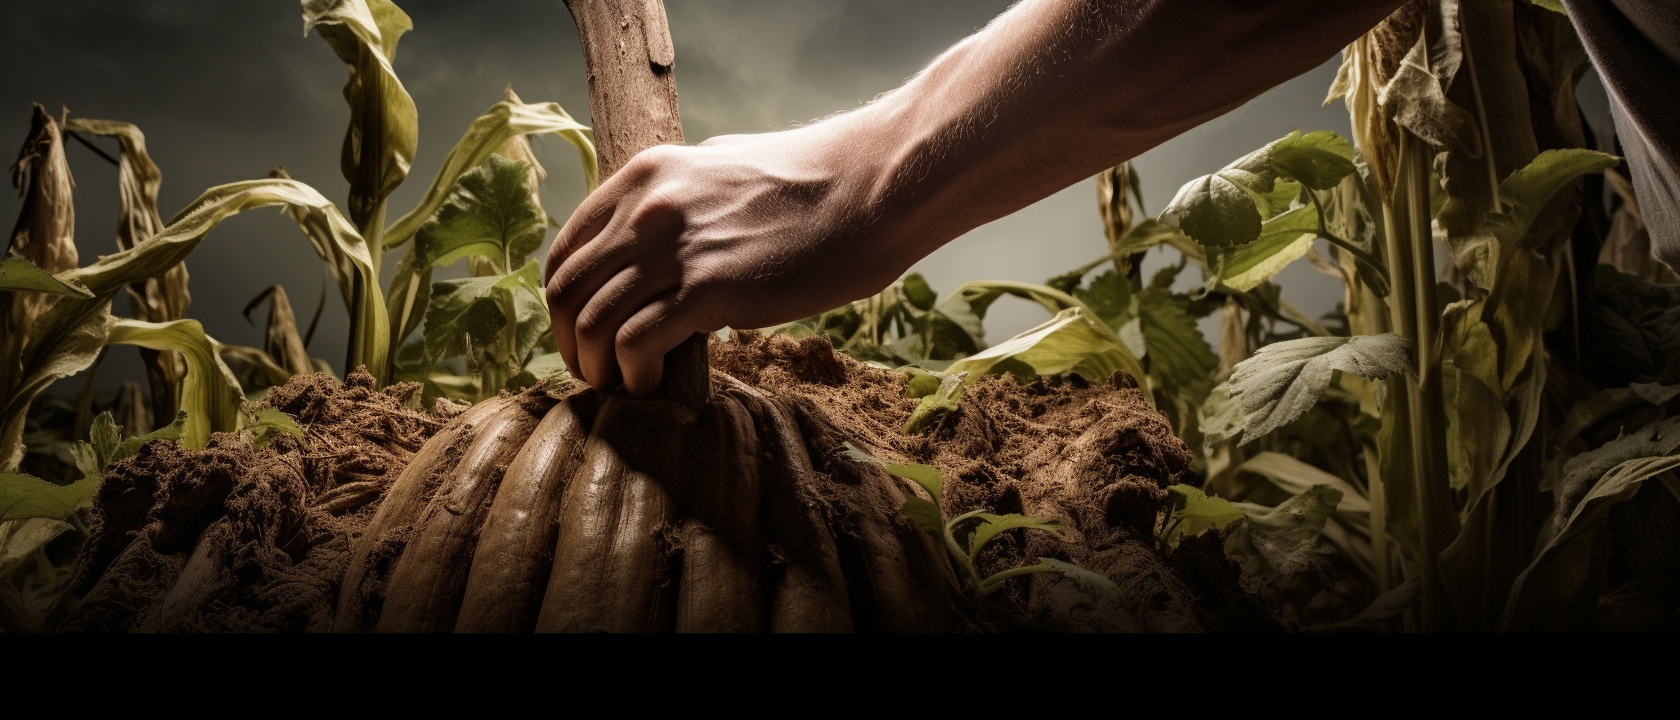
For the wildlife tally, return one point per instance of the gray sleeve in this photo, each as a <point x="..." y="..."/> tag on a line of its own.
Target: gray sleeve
<point x="1635" y="44"/>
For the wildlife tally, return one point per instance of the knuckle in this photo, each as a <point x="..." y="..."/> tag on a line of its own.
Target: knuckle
<point x="634" y="337"/>
<point x="559" y="292"/>
<point x="649" y="161"/>
<point x="554" y="293"/>
<point x="590" y="324"/>
<point x="655" y="212"/>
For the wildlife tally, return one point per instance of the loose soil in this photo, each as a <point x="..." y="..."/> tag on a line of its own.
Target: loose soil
<point x="231" y="539"/>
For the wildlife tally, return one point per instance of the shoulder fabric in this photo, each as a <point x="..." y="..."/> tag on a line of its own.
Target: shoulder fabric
<point x="1635" y="45"/>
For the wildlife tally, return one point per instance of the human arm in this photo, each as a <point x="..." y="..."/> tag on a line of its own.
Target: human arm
<point x="749" y="231"/>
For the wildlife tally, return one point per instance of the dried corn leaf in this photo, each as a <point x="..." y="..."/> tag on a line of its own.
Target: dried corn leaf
<point x="371" y="334"/>
<point x="159" y="298"/>
<point x="280" y="335"/>
<point x="384" y="126"/>
<point x="43" y="238"/>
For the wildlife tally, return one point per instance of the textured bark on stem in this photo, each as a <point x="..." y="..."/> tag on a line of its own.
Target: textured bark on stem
<point x="628" y="54"/>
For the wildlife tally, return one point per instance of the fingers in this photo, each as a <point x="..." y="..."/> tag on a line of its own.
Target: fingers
<point x="645" y="235"/>
<point x="599" y="322"/>
<point x="653" y="331"/>
<point x="599" y="208"/>
<point x="592" y="215"/>
<point x="571" y="285"/>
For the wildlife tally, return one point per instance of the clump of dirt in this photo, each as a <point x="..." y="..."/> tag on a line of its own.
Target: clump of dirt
<point x="1096" y="457"/>
<point x="229" y="538"/>
<point x="234" y="539"/>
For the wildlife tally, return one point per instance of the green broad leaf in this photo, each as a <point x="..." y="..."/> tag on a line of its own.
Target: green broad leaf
<point x="1283" y="240"/>
<point x="1221" y="418"/>
<point x="106" y="444"/>
<point x="17" y="273"/>
<point x="173" y="431"/>
<point x="1194" y="513"/>
<point x="926" y="476"/>
<point x="210" y="395"/>
<point x="942" y="399"/>
<point x="1552" y="5"/>
<point x="1218" y="210"/>
<point x="502" y="122"/>
<point x="1072" y="341"/>
<point x="1284" y="380"/>
<point x="1179" y="356"/>
<point x="1523" y="221"/>
<point x="918" y="292"/>
<point x="990" y="525"/>
<point x="165" y="250"/>
<point x="24" y="496"/>
<point x="1287" y="535"/>
<point x="104" y="437"/>
<point x="1319" y="159"/>
<point x="920" y="383"/>
<point x="262" y="424"/>
<point x="472" y="313"/>
<point x="1280" y="200"/>
<point x="63" y="341"/>
<point x="925" y="514"/>
<point x="384" y="125"/>
<point x="1593" y="483"/>
<point x="1109" y="296"/>
<point x="546" y="367"/>
<point x="1227" y="208"/>
<point x="489" y="214"/>
<point x="1528" y="190"/>
<point x="86" y="461"/>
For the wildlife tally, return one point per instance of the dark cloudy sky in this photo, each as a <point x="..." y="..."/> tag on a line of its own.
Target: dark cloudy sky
<point x="226" y="90"/>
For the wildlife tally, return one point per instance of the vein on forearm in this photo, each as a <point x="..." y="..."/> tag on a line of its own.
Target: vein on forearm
<point x="1053" y="91"/>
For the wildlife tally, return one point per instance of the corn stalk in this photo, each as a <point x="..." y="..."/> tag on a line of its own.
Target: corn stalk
<point x="44" y="236"/>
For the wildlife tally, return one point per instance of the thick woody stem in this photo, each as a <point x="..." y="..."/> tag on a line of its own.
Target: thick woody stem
<point x="628" y="54"/>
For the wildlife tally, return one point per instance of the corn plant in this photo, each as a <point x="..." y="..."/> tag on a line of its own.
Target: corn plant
<point x="483" y="206"/>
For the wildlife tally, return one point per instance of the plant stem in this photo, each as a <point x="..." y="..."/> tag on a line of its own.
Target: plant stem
<point x="995" y="582"/>
<point x="1357" y="252"/>
<point x="1430" y="512"/>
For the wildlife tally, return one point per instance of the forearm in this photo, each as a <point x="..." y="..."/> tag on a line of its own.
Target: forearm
<point x="754" y="230"/>
<point x="1054" y="91"/>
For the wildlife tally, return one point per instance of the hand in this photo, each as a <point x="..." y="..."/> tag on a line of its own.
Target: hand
<point x="742" y="231"/>
<point x="749" y="231"/>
